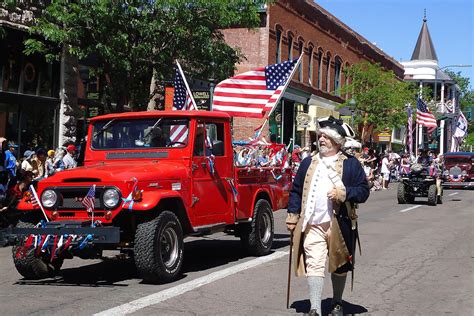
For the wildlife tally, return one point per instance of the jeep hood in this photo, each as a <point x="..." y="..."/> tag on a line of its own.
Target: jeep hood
<point x="117" y="172"/>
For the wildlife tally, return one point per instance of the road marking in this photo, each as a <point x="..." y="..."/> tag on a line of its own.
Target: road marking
<point x="410" y="208"/>
<point x="164" y="295"/>
<point x="453" y="193"/>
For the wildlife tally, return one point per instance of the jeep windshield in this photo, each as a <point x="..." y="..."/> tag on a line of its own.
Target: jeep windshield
<point x="140" y="133"/>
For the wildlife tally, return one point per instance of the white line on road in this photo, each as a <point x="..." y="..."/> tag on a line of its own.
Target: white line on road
<point x="164" y="295"/>
<point x="453" y="193"/>
<point x="410" y="208"/>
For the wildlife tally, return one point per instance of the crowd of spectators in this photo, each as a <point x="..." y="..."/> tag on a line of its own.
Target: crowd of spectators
<point x="33" y="165"/>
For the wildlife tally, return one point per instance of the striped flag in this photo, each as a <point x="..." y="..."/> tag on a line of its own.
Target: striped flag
<point x="424" y="117"/>
<point x="33" y="200"/>
<point x="182" y="100"/>
<point x="410" y="129"/>
<point x="89" y="200"/>
<point x="253" y="93"/>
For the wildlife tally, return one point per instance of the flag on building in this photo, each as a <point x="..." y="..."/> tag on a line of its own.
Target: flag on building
<point x="410" y="129"/>
<point x="461" y="126"/>
<point x="253" y="93"/>
<point x="182" y="100"/>
<point x="89" y="200"/>
<point x="424" y="117"/>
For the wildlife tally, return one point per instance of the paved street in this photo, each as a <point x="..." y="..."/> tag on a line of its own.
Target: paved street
<point x="416" y="260"/>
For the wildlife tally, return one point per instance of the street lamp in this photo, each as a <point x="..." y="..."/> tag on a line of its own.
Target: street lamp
<point x="436" y="78"/>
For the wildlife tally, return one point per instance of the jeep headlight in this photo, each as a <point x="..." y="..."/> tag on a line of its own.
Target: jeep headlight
<point x="49" y="198"/>
<point x="111" y="198"/>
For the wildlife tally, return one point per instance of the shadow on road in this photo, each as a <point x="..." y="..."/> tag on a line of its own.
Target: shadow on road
<point x="349" y="309"/>
<point x="199" y="255"/>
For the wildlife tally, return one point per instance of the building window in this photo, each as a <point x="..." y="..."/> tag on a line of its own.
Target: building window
<point x="278" y="46"/>
<point x="310" y="66"/>
<point x="337" y="76"/>
<point x="320" y="68"/>
<point x="328" y="72"/>
<point x="300" y="66"/>
<point x="290" y="47"/>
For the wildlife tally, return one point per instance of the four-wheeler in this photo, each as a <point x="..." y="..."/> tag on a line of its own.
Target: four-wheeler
<point x="419" y="183"/>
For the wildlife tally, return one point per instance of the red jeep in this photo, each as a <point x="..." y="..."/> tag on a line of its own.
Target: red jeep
<point x="458" y="170"/>
<point x="156" y="177"/>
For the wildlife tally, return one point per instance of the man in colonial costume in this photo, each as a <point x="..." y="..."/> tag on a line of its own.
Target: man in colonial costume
<point x="321" y="213"/>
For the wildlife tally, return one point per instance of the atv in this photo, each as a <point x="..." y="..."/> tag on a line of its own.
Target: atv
<point x="419" y="183"/>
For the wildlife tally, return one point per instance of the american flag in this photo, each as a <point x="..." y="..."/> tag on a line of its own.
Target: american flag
<point x="182" y="100"/>
<point x="33" y="195"/>
<point x="253" y="93"/>
<point x="410" y="129"/>
<point x="89" y="200"/>
<point x="424" y="117"/>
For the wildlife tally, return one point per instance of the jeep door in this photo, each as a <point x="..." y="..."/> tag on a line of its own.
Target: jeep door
<point x="212" y="165"/>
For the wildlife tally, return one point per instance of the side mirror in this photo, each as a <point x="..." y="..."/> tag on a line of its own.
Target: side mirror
<point x="218" y="148"/>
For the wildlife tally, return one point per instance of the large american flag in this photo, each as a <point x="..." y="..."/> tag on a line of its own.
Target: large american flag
<point x="255" y="92"/>
<point x="89" y="200"/>
<point x="424" y="117"/>
<point x="182" y="100"/>
<point x="410" y="129"/>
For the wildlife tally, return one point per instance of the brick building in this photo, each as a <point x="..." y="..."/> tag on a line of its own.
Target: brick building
<point x="288" y="29"/>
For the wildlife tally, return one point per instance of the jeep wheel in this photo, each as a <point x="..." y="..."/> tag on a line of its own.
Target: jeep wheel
<point x="401" y="195"/>
<point x="432" y="197"/>
<point x="30" y="266"/>
<point x="159" y="248"/>
<point x="257" y="236"/>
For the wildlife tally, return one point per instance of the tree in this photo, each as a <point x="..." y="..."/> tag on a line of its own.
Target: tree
<point x="380" y="98"/>
<point x="466" y="100"/>
<point x="129" y="41"/>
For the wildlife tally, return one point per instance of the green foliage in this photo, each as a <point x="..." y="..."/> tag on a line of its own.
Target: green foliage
<point x="467" y="95"/>
<point x="380" y="97"/>
<point x="130" y="39"/>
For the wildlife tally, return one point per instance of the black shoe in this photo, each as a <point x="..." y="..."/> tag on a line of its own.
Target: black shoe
<point x="337" y="310"/>
<point x="312" y="312"/>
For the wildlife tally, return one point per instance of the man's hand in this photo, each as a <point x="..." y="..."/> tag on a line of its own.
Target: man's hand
<point x="332" y="194"/>
<point x="291" y="227"/>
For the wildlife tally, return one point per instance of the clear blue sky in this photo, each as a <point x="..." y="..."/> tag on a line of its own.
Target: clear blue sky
<point x="394" y="26"/>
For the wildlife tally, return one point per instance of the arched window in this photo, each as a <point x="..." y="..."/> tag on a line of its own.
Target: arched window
<point x="310" y="65"/>
<point x="337" y="76"/>
<point x="328" y="72"/>
<point x="290" y="46"/>
<point x="320" y="69"/>
<point x="300" y="66"/>
<point x="278" y="45"/>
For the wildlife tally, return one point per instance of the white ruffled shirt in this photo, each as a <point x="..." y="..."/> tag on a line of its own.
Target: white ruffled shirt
<point x="318" y="205"/>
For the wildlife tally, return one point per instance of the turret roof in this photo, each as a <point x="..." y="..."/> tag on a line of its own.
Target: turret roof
<point x="424" y="49"/>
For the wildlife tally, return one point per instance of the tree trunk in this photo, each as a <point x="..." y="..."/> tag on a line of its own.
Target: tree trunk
<point x="152" y="102"/>
<point x="68" y="99"/>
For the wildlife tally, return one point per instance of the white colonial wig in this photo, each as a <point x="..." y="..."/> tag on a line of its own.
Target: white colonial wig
<point x="334" y="128"/>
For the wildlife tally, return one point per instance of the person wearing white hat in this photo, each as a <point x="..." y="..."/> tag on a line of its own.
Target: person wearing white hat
<point x="321" y="204"/>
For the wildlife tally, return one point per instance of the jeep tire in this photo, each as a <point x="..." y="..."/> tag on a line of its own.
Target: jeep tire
<point x="30" y="266"/>
<point x="432" y="197"/>
<point x="159" y="246"/>
<point x="257" y="236"/>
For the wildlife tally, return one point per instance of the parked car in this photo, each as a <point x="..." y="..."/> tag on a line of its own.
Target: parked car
<point x="458" y="170"/>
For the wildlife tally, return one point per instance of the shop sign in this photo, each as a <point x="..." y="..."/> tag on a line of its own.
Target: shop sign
<point x="303" y="120"/>
<point x="384" y="137"/>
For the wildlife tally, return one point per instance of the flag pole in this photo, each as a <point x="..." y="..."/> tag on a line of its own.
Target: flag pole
<point x="35" y="195"/>
<point x="280" y="95"/>
<point x="186" y="84"/>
